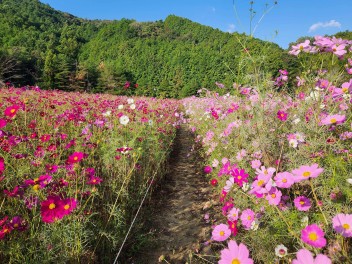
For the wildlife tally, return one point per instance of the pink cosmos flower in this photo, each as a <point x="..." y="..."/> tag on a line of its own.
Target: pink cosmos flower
<point x="255" y="164"/>
<point x="284" y="179"/>
<point x="282" y="115"/>
<point x="313" y="235"/>
<point x="233" y="214"/>
<point x="305" y="172"/>
<point x="75" y="157"/>
<point x="11" y="111"/>
<point x="267" y="171"/>
<point x="274" y="196"/>
<point x="259" y="185"/>
<point x="304" y="256"/>
<point x="333" y="120"/>
<point x="302" y="203"/>
<point x="342" y="224"/>
<point x="235" y="254"/>
<point x="304" y="46"/>
<point x="247" y="217"/>
<point x="221" y="232"/>
<point x="339" y="50"/>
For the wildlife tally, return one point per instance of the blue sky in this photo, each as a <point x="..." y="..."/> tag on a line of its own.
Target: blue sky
<point x="291" y="19"/>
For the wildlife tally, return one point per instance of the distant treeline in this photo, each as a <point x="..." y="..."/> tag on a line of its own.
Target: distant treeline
<point x="171" y="58"/>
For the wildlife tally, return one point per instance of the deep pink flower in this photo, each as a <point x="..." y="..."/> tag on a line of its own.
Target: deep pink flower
<point x="52" y="209"/>
<point x="235" y="254"/>
<point x="221" y="232"/>
<point x="2" y="165"/>
<point x="302" y="203"/>
<point x="240" y="176"/>
<point x="342" y="224"/>
<point x="304" y="256"/>
<point x="3" y="122"/>
<point x="93" y="180"/>
<point x="11" y="111"/>
<point x="282" y="115"/>
<point x="233" y="227"/>
<point x="313" y="235"/>
<point x="68" y="205"/>
<point x="75" y="157"/>
<point x="305" y="172"/>
<point x="6" y="229"/>
<point x="207" y="169"/>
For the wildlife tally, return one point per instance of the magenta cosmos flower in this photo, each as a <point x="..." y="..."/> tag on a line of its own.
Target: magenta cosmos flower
<point x="75" y="157"/>
<point x="240" y="176"/>
<point x="282" y="115"/>
<point x="342" y="224"/>
<point x="11" y="111"/>
<point x="304" y="256"/>
<point x="2" y="165"/>
<point x="207" y="169"/>
<point x="52" y="209"/>
<point x="333" y="120"/>
<point x="305" y="172"/>
<point x="302" y="203"/>
<point x="221" y="232"/>
<point x="235" y="254"/>
<point x="313" y="235"/>
<point x="3" y="122"/>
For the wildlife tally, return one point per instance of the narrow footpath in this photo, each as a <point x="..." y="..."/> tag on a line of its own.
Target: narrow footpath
<point x="178" y="216"/>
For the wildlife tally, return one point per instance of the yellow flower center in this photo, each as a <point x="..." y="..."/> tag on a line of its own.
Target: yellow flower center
<point x="249" y="218"/>
<point x="235" y="261"/>
<point x="15" y="225"/>
<point x="67" y="206"/>
<point x="52" y="206"/>
<point x="239" y="177"/>
<point x="265" y="172"/>
<point x="260" y="182"/>
<point x="12" y="110"/>
<point x="345" y="90"/>
<point x="284" y="180"/>
<point x="333" y="120"/>
<point x="222" y="233"/>
<point x="36" y="187"/>
<point x="75" y="158"/>
<point x="346" y="226"/>
<point x="313" y="236"/>
<point x="306" y="173"/>
<point x="301" y="202"/>
<point x="273" y="195"/>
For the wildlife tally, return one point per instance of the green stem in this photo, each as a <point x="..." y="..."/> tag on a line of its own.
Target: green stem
<point x="317" y="201"/>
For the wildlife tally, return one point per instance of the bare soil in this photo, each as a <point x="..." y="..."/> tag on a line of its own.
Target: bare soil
<point x="177" y="216"/>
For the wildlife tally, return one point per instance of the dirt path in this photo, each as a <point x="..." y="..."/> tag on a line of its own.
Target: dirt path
<point x="180" y="229"/>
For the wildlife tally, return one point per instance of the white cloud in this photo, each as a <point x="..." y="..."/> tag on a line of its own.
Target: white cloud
<point x="231" y="28"/>
<point x="331" y="23"/>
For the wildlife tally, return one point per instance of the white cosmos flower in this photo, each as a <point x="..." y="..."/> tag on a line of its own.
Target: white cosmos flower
<point x="130" y="101"/>
<point x="280" y="251"/>
<point x="296" y="121"/>
<point x="255" y="225"/>
<point x="349" y="180"/>
<point x="120" y="107"/>
<point x="132" y="106"/>
<point x="124" y="120"/>
<point x="107" y="113"/>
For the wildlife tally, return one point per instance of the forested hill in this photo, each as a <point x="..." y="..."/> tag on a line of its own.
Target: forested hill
<point x="171" y="58"/>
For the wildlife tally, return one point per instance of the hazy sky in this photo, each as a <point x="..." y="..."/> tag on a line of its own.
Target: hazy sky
<point x="284" y="23"/>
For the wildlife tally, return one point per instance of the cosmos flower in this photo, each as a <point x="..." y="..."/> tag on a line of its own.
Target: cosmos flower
<point x="342" y="224"/>
<point x="221" y="232"/>
<point x="75" y="157"/>
<point x="235" y="254"/>
<point x="313" y="235"/>
<point x="247" y="217"/>
<point x="280" y="251"/>
<point x="304" y="256"/>
<point x="302" y="203"/>
<point x="305" y="172"/>
<point x="11" y="111"/>
<point x="124" y="120"/>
